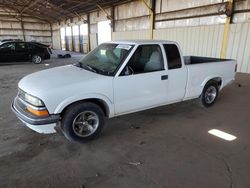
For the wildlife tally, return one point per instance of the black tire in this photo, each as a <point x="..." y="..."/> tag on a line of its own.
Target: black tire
<point x="36" y="59"/>
<point x="76" y="124"/>
<point x="209" y="94"/>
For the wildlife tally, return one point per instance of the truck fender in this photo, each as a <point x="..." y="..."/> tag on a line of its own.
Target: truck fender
<point x="80" y="97"/>
<point x="213" y="77"/>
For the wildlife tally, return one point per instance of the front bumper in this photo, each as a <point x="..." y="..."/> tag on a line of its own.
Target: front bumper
<point x="39" y="124"/>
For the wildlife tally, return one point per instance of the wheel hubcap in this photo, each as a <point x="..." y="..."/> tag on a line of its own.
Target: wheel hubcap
<point x="85" y="123"/>
<point x="210" y="94"/>
<point x="37" y="59"/>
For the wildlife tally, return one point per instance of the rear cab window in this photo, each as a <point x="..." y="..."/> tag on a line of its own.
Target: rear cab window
<point x="173" y="56"/>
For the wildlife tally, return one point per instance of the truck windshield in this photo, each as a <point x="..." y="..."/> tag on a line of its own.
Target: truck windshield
<point x="106" y="58"/>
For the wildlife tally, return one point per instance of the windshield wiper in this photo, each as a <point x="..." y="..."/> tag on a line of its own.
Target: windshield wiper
<point x="93" y="69"/>
<point x="87" y="67"/>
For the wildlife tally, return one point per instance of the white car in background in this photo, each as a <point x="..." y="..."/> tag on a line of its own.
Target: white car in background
<point x="117" y="78"/>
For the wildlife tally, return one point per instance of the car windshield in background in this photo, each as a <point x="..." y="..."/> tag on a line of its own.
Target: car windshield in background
<point x="106" y="58"/>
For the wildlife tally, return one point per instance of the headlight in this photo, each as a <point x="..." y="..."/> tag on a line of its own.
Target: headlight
<point x="33" y="104"/>
<point x="33" y="100"/>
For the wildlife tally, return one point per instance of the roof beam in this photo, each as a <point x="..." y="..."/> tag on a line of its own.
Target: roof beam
<point x="105" y="12"/>
<point x="31" y="4"/>
<point x="57" y="10"/>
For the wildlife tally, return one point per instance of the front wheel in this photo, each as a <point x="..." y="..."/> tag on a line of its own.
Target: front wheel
<point x="36" y="59"/>
<point x="82" y="122"/>
<point x="209" y="94"/>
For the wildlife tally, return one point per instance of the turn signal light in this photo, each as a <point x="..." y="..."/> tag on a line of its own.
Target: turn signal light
<point x="40" y="113"/>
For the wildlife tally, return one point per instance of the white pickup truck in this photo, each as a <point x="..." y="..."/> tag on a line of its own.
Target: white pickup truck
<point x="117" y="78"/>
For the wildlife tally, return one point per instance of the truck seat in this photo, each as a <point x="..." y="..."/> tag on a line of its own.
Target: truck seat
<point x="155" y="62"/>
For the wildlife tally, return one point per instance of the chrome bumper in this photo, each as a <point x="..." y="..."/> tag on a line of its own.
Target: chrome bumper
<point x="31" y="119"/>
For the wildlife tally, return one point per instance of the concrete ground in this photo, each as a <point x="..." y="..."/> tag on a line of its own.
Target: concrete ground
<point x="163" y="147"/>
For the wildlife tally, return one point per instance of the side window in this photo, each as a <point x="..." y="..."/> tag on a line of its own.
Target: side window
<point x="146" y="58"/>
<point x="10" y="46"/>
<point x="173" y="56"/>
<point x="31" y="46"/>
<point x="21" y="46"/>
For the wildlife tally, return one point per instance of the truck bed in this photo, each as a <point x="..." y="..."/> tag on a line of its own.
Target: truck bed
<point x="190" y="60"/>
<point x="201" y="69"/>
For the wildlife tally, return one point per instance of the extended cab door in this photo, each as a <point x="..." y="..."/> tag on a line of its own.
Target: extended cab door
<point x="177" y="73"/>
<point x="143" y="81"/>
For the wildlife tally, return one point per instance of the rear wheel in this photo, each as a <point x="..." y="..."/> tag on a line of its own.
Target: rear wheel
<point x="82" y="122"/>
<point x="36" y="59"/>
<point x="209" y="94"/>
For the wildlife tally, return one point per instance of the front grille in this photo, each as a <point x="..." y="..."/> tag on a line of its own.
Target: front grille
<point x="20" y="104"/>
<point x="21" y="94"/>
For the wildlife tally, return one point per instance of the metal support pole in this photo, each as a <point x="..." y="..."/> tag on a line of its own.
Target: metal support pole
<point x="65" y="39"/>
<point x="152" y="15"/>
<point x="51" y="35"/>
<point x="232" y="12"/>
<point x="88" y="18"/>
<point x="22" y="27"/>
<point x="226" y="29"/>
<point x="72" y="40"/>
<point x="79" y="38"/>
<point x="153" y="4"/>
<point x="60" y="36"/>
<point x="105" y="12"/>
<point x="113" y="20"/>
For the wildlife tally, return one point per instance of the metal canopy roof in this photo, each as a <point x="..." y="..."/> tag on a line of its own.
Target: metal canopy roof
<point x="54" y="10"/>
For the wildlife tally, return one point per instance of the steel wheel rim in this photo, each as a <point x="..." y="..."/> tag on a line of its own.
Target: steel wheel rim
<point x="210" y="94"/>
<point x="85" y="123"/>
<point x="37" y="59"/>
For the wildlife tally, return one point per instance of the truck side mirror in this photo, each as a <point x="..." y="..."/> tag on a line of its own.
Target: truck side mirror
<point x="127" y="71"/>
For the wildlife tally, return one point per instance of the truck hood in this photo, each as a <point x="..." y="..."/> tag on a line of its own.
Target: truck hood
<point x="46" y="80"/>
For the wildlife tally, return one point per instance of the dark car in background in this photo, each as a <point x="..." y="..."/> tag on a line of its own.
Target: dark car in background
<point x="44" y="45"/>
<point x="7" y="40"/>
<point x="23" y="51"/>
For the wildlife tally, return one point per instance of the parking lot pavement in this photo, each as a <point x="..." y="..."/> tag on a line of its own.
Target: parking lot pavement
<point x="164" y="147"/>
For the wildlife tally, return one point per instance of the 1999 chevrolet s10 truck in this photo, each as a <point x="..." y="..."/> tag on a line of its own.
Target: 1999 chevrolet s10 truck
<point x="117" y="78"/>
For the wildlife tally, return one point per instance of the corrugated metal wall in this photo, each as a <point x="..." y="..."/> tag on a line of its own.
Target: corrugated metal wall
<point x="200" y="40"/>
<point x="131" y="16"/>
<point x="201" y="35"/>
<point x="239" y="45"/>
<point x="203" y="41"/>
<point x="40" y="32"/>
<point x="33" y="29"/>
<point x="56" y="39"/>
<point x="142" y="34"/>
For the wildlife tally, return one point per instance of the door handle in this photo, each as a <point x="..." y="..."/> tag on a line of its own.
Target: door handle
<point x="164" y="77"/>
